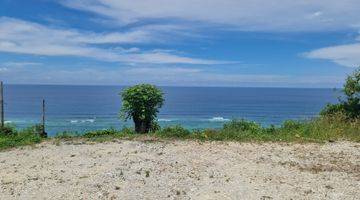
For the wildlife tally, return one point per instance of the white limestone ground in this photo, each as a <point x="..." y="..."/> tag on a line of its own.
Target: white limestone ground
<point x="181" y="170"/>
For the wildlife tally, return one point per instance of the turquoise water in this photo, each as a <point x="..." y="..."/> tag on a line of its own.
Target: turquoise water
<point x="83" y="108"/>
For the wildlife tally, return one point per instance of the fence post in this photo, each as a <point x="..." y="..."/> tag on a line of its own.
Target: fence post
<point x="2" y="104"/>
<point x="43" y="132"/>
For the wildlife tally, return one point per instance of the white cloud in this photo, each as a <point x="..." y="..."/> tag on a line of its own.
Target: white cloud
<point x="14" y="29"/>
<point x="9" y="67"/>
<point x="248" y="15"/>
<point x="179" y="76"/>
<point x="21" y="64"/>
<point x="162" y="71"/>
<point x="3" y="69"/>
<point x="18" y="36"/>
<point x="346" y="55"/>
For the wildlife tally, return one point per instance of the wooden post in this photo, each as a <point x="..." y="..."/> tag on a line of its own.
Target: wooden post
<point x="2" y="104"/>
<point x="43" y="133"/>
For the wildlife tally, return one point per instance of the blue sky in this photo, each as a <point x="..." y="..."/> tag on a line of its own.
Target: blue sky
<point x="275" y="43"/>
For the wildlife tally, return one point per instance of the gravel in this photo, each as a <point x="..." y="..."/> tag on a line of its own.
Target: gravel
<point x="124" y="169"/>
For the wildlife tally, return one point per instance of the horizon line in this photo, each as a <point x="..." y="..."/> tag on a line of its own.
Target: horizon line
<point x="176" y="86"/>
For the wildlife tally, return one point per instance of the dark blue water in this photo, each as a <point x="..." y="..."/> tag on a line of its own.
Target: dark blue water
<point x="82" y="108"/>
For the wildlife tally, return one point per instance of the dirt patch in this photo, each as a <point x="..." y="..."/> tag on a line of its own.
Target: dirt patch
<point x="151" y="169"/>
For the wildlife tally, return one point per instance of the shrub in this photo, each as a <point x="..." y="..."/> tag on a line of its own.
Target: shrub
<point x="210" y="134"/>
<point x="19" y="138"/>
<point x="334" y="127"/>
<point x="331" y="109"/>
<point x="127" y="131"/>
<point x="34" y="130"/>
<point x="155" y="126"/>
<point x="237" y="130"/>
<point x="205" y="134"/>
<point x="270" y="130"/>
<point x="242" y="126"/>
<point x="174" y="132"/>
<point x="351" y="104"/>
<point x="292" y="125"/>
<point x="100" y="133"/>
<point x="66" y="135"/>
<point x="352" y="108"/>
<point x="141" y="103"/>
<point x="7" y="130"/>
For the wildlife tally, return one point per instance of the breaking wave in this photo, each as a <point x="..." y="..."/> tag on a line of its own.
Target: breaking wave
<point x="164" y="120"/>
<point x="75" y="121"/>
<point x="219" y="119"/>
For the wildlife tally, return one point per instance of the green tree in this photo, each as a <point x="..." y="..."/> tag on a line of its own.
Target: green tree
<point x="141" y="103"/>
<point x="352" y="92"/>
<point x="350" y="105"/>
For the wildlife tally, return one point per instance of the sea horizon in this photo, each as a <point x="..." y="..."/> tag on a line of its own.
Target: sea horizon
<point x="175" y="86"/>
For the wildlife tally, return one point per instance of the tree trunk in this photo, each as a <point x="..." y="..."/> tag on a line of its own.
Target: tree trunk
<point x="141" y="126"/>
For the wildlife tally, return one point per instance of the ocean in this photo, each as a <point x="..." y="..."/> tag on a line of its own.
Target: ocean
<point x="84" y="108"/>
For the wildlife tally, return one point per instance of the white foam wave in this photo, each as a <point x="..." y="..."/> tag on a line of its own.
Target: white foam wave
<point x="88" y="120"/>
<point x="82" y="121"/>
<point x="165" y="120"/>
<point x="219" y="119"/>
<point x="8" y="122"/>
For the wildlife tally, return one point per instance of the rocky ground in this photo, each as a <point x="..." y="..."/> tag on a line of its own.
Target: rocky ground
<point x="181" y="170"/>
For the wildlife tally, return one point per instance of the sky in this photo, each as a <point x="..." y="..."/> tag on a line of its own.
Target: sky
<point x="237" y="43"/>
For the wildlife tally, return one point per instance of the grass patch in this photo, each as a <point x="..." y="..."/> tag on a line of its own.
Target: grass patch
<point x="173" y="132"/>
<point x="322" y="129"/>
<point x="67" y="135"/>
<point x="10" y="137"/>
<point x="335" y="127"/>
<point x="109" y="134"/>
<point x="101" y="133"/>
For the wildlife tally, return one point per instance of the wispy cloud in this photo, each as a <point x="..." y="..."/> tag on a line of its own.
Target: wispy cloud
<point x="248" y="15"/>
<point x="3" y="69"/>
<point x="346" y="55"/>
<point x="20" y="64"/>
<point x="9" y="67"/>
<point x="18" y="36"/>
<point x="180" y="76"/>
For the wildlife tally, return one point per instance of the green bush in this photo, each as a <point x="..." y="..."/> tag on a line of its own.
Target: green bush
<point x="242" y="126"/>
<point x="206" y="134"/>
<point x="174" y="132"/>
<point x="331" y="109"/>
<point x="155" y="126"/>
<point x="270" y="130"/>
<point x="19" y="138"/>
<point x="127" y="131"/>
<point x="142" y="103"/>
<point x="339" y="126"/>
<point x="351" y="104"/>
<point x="34" y="130"/>
<point x="292" y="125"/>
<point x="101" y="133"/>
<point x="7" y="130"/>
<point x="66" y="135"/>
